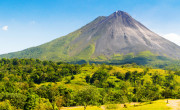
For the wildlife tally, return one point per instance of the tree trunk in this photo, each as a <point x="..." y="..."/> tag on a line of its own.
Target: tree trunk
<point x="84" y="107"/>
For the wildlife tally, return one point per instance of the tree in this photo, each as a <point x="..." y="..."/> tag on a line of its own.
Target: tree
<point x="6" y="105"/>
<point x="100" y="75"/>
<point x="88" y="96"/>
<point x="44" y="104"/>
<point x="30" y="102"/>
<point x="88" y="78"/>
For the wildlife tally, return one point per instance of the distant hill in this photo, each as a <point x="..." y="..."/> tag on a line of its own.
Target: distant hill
<point x="117" y="36"/>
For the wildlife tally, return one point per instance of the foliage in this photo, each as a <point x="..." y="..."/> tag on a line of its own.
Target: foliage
<point x="87" y="96"/>
<point x="46" y="85"/>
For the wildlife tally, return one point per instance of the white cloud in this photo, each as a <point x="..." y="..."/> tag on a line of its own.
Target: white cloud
<point x="173" y="38"/>
<point x="5" y="28"/>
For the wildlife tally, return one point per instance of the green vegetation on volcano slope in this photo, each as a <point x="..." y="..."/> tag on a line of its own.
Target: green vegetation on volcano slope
<point x="35" y="84"/>
<point x="145" y="58"/>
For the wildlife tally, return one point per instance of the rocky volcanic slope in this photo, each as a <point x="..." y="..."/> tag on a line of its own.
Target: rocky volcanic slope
<point x="118" y="33"/>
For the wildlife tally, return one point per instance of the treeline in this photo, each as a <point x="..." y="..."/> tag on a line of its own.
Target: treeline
<point x="35" y="71"/>
<point x="27" y="84"/>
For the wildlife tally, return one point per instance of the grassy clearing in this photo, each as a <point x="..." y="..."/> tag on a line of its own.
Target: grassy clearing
<point x="155" y="105"/>
<point x="82" y="108"/>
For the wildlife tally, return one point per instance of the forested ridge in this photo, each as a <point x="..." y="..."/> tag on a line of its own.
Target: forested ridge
<point x="32" y="84"/>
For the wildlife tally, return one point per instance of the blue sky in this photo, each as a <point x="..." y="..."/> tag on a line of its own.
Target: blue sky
<point x="28" y="23"/>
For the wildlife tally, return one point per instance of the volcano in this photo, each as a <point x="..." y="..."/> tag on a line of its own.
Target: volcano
<point x="117" y="33"/>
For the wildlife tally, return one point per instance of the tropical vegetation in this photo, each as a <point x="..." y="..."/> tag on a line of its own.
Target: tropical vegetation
<point x="32" y="84"/>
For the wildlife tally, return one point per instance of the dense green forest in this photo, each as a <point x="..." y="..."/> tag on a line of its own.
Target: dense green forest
<point x="32" y="84"/>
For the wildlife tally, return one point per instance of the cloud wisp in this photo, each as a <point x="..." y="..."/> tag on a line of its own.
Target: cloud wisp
<point x="5" y="28"/>
<point x="173" y="38"/>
